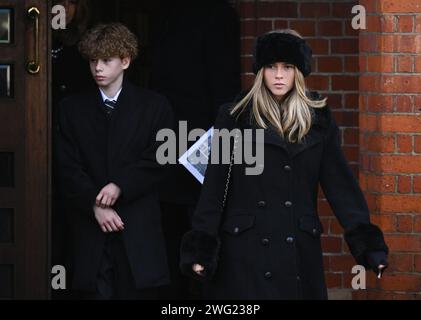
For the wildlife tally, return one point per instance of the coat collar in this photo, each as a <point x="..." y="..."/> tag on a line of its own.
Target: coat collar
<point x="320" y="124"/>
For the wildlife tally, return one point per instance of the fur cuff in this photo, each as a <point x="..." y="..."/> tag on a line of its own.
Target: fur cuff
<point x="201" y="248"/>
<point x="365" y="238"/>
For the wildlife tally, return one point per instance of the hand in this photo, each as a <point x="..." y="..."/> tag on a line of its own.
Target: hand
<point x="198" y="269"/>
<point x="380" y="269"/>
<point x="108" y="196"/>
<point x="108" y="219"/>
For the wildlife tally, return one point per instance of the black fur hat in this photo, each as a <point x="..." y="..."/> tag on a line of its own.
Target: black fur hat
<point x="276" y="47"/>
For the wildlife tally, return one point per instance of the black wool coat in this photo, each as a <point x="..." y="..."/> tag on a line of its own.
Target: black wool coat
<point x="266" y="243"/>
<point x="94" y="151"/>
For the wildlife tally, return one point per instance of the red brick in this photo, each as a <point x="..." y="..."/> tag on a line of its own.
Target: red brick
<point x="342" y="263"/>
<point x="246" y="64"/>
<point x="387" y="23"/>
<point x="417" y="184"/>
<point x="247" y="81"/>
<point x="335" y="227"/>
<point x="349" y="30"/>
<point x="351" y="136"/>
<point x="379" y="295"/>
<point x="247" y="9"/>
<point x="400" y="282"/>
<point x="380" y="63"/>
<point x="391" y="84"/>
<point x="405" y="223"/>
<point x="417" y="263"/>
<point x="263" y="26"/>
<point x="418" y="103"/>
<point x="369" y="5"/>
<point x="386" y="43"/>
<point x="305" y="28"/>
<point x="391" y="6"/>
<point x="398" y="123"/>
<point x="316" y="82"/>
<point x="332" y="244"/>
<point x="403" y="296"/>
<point x="248" y="28"/>
<point x="345" y="83"/>
<point x="351" y="101"/>
<point x="362" y="62"/>
<point x="314" y="10"/>
<point x="381" y="183"/>
<point x="418" y="62"/>
<point x="329" y="64"/>
<point x="345" y="46"/>
<point x="401" y="263"/>
<point x="418" y="23"/>
<point x="380" y="103"/>
<point x="407" y="43"/>
<point x="368" y="43"/>
<point x="319" y="46"/>
<point x="373" y="24"/>
<point x="324" y="208"/>
<point x="351" y="64"/>
<point x="334" y="100"/>
<point x="396" y="164"/>
<point x="351" y="153"/>
<point x="346" y="118"/>
<point x="387" y="223"/>
<point x="417" y="144"/>
<point x="277" y="9"/>
<point x="404" y="144"/>
<point x="247" y="46"/>
<point x="368" y="122"/>
<point x="404" y="103"/>
<point x="330" y="28"/>
<point x="403" y="243"/>
<point x="378" y="143"/>
<point x="333" y="280"/>
<point x="399" y="203"/>
<point x="342" y="10"/>
<point x="404" y="63"/>
<point x="405" y="23"/>
<point x="417" y="224"/>
<point x="281" y="24"/>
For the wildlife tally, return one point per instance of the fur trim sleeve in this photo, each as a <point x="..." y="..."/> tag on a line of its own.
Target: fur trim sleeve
<point x="365" y="238"/>
<point x="201" y="248"/>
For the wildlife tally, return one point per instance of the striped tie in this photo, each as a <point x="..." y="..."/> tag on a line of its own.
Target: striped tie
<point x="109" y="106"/>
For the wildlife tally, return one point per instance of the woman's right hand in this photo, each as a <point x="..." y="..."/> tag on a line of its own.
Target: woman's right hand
<point x="198" y="269"/>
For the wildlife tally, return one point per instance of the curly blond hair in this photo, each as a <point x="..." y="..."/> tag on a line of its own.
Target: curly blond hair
<point x="109" y="40"/>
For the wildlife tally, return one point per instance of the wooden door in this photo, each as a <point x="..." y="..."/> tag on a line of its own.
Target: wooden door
<point x="24" y="149"/>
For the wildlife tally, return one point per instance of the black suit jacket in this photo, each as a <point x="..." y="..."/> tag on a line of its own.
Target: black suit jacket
<point x="94" y="151"/>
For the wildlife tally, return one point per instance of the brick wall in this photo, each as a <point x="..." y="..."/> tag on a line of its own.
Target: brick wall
<point x="390" y="140"/>
<point x="326" y="25"/>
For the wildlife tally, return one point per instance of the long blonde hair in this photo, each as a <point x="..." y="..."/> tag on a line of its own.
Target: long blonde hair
<point x="292" y="117"/>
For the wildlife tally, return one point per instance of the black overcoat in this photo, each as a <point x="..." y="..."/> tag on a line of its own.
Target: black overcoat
<point x="266" y="243"/>
<point x="94" y="151"/>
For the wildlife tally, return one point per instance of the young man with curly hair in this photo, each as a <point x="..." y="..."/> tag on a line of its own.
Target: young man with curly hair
<point x="109" y="174"/>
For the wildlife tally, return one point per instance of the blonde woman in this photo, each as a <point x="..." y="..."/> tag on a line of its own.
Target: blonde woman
<point x="263" y="242"/>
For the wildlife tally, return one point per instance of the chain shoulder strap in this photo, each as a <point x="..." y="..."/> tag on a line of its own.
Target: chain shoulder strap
<point x="230" y="168"/>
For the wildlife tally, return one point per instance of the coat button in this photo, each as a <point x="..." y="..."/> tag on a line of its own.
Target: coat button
<point x="261" y="204"/>
<point x="236" y="230"/>
<point x="268" y="275"/>
<point x="287" y="168"/>
<point x="314" y="231"/>
<point x="63" y="88"/>
<point x="288" y="204"/>
<point x="298" y="278"/>
<point x="265" y="241"/>
<point x="289" y="240"/>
